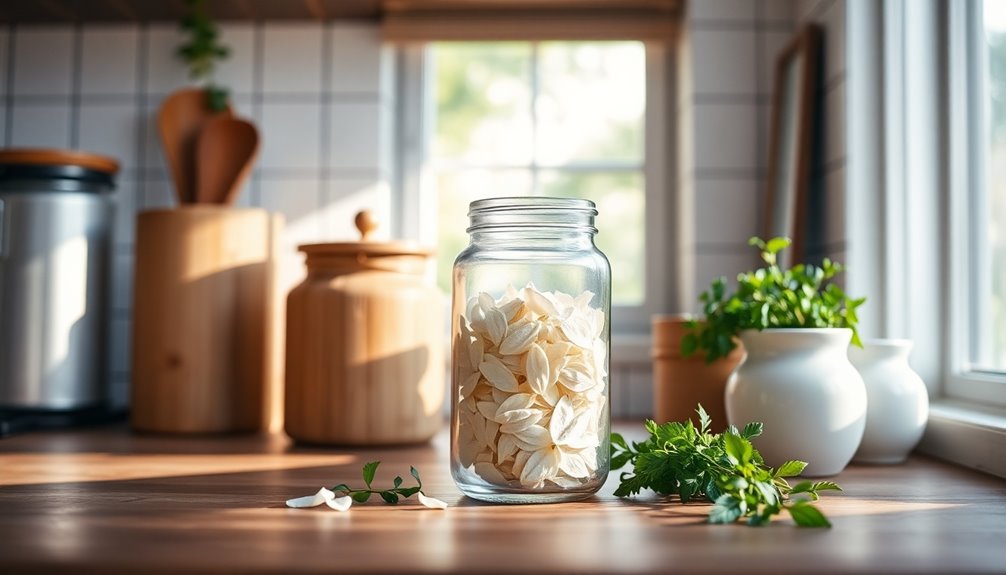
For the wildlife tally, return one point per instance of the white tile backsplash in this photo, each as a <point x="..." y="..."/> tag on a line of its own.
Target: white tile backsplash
<point x="165" y="72"/>
<point x="834" y="206"/>
<point x="4" y="53"/>
<point x="722" y="10"/>
<point x="344" y="197"/>
<point x="725" y="136"/>
<point x="298" y="201"/>
<point x="157" y="194"/>
<point x="356" y="55"/>
<point x="730" y="207"/>
<point x="237" y="71"/>
<point x="120" y="345"/>
<point x="40" y="125"/>
<point x="773" y="44"/>
<point x="128" y="200"/>
<point x="292" y="58"/>
<point x="709" y="266"/>
<point x="43" y="61"/>
<point x="358" y="133"/>
<point x="112" y="129"/>
<point x="109" y="60"/>
<point x="106" y="98"/>
<point x="122" y="281"/>
<point x="724" y="61"/>
<point x="291" y="136"/>
<point x="777" y="11"/>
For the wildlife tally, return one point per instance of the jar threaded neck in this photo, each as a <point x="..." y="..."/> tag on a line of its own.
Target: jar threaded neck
<point x="529" y="213"/>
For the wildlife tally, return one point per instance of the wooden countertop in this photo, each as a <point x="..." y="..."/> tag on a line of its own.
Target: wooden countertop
<point x="106" y="500"/>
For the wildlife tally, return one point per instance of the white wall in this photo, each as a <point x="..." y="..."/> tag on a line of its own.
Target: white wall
<point x="727" y="60"/>
<point x="321" y="96"/>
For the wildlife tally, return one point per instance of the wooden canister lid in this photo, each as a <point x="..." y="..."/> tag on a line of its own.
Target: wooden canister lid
<point x="56" y="157"/>
<point x="366" y="224"/>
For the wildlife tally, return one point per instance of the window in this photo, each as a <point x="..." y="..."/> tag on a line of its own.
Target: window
<point x="556" y="118"/>
<point x="977" y="314"/>
<point x="990" y="225"/>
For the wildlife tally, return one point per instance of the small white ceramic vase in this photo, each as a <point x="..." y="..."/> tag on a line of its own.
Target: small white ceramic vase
<point x="898" y="401"/>
<point x="800" y="384"/>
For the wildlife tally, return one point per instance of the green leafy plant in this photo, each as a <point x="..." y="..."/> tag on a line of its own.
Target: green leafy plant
<point x="202" y="51"/>
<point x="389" y="495"/>
<point x="724" y="468"/>
<point x="770" y="297"/>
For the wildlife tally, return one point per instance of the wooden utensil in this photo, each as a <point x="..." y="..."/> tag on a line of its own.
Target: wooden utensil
<point x="179" y="121"/>
<point x="225" y="154"/>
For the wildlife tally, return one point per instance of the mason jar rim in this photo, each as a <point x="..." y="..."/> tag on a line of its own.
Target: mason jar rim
<point x="523" y="212"/>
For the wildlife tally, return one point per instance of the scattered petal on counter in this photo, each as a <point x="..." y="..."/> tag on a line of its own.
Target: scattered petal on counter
<point x="431" y="502"/>
<point x="340" y="503"/>
<point x="323" y="495"/>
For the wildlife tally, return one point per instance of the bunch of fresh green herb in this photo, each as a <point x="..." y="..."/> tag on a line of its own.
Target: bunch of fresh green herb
<point x="724" y="468"/>
<point x="202" y="50"/>
<point x="770" y="297"/>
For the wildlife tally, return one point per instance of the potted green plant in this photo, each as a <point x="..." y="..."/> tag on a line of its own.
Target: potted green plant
<point x="796" y="325"/>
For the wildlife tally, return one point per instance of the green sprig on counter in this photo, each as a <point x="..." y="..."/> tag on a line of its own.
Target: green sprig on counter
<point x="391" y="496"/>
<point x="724" y="468"/>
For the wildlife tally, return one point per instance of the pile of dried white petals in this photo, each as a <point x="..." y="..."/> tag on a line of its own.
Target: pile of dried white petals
<point x="532" y="397"/>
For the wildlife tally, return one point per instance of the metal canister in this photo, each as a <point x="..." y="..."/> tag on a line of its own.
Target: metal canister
<point x="56" y="220"/>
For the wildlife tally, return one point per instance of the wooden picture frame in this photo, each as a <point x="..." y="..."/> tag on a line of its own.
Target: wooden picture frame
<point x="792" y="135"/>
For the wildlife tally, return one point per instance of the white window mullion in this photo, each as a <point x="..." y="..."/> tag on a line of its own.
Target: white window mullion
<point x="535" y="87"/>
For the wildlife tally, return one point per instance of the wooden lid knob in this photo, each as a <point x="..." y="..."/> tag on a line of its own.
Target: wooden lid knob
<point x="366" y="223"/>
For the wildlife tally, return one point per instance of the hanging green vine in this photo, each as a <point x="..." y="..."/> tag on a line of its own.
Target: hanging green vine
<point x="202" y="51"/>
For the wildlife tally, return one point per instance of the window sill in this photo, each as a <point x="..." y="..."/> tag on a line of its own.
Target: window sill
<point x="968" y="434"/>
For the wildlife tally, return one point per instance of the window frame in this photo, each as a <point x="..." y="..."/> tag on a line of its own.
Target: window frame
<point x="416" y="194"/>
<point x="909" y="131"/>
<point x="968" y="135"/>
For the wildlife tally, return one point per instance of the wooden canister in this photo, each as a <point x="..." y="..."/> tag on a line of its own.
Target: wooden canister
<point x="206" y="318"/>
<point x="680" y="384"/>
<point x="364" y="346"/>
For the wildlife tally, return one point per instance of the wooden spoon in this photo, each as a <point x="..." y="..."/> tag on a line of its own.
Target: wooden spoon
<point x="226" y="152"/>
<point x="179" y="121"/>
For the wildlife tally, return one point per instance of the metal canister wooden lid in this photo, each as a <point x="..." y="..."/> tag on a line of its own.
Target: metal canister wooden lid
<point x="56" y="164"/>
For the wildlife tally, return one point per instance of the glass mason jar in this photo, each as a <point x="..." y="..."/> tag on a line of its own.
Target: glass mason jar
<point x="530" y="341"/>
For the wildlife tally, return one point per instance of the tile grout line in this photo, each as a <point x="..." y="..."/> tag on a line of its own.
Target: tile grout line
<point x="142" y="52"/>
<point x="258" y="49"/>
<point x="9" y="97"/>
<point x="325" y="119"/>
<point x="75" y="81"/>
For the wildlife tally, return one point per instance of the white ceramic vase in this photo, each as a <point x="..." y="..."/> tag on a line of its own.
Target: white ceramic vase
<point x="800" y="384"/>
<point x="898" y="401"/>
